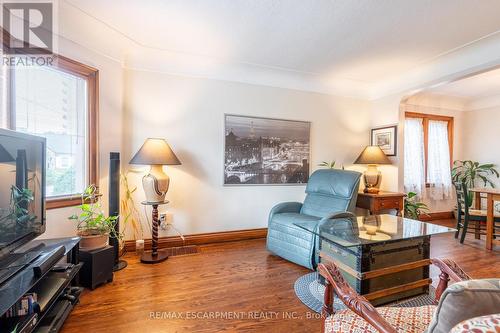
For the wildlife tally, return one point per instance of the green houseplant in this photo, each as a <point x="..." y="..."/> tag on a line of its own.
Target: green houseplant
<point x="329" y="165"/>
<point x="413" y="208"/>
<point x="471" y="172"/>
<point x="92" y="225"/>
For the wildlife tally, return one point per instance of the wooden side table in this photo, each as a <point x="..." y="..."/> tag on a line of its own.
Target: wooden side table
<point x="377" y="203"/>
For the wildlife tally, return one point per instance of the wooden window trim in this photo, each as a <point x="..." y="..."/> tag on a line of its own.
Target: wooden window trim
<point x="91" y="76"/>
<point x="426" y="117"/>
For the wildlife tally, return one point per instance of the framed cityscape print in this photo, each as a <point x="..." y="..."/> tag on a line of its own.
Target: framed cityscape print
<point x="265" y="151"/>
<point x="386" y="138"/>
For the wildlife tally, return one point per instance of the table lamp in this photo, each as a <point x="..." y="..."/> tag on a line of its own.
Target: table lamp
<point x="372" y="155"/>
<point x="156" y="153"/>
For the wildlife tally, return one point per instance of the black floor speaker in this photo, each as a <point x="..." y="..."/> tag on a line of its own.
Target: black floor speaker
<point x="114" y="206"/>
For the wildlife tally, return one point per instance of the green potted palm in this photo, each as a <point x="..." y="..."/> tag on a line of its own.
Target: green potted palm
<point x="93" y="226"/>
<point x="472" y="172"/>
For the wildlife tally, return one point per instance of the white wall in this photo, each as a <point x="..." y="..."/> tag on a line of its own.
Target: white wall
<point x="189" y="113"/>
<point x="482" y="137"/>
<point x="385" y="112"/>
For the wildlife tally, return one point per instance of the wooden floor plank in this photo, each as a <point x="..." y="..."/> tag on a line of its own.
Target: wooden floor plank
<point x="228" y="279"/>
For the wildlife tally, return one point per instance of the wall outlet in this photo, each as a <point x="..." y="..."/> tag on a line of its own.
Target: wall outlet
<point x="166" y="219"/>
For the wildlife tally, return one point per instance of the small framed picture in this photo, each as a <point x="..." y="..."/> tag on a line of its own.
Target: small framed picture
<point x="386" y="138"/>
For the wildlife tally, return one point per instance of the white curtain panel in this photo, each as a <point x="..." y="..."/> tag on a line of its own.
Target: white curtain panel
<point x="438" y="168"/>
<point x="414" y="170"/>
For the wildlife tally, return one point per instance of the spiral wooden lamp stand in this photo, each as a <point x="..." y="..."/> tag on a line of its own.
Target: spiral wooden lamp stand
<point x="155" y="256"/>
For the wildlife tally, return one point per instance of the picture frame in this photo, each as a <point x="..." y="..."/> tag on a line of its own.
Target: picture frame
<point x="386" y="138"/>
<point x="266" y="151"/>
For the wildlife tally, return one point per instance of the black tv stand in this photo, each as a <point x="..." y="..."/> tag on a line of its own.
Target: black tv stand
<point x="15" y="263"/>
<point x="54" y="282"/>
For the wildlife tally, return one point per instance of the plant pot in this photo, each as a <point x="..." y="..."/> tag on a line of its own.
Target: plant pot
<point x="93" y="242"/>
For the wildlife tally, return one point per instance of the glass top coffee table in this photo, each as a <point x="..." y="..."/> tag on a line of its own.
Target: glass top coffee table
<point x="383" y="257"/>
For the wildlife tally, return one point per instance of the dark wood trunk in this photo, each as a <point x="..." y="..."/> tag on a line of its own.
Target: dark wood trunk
<point x="386" y="272"/>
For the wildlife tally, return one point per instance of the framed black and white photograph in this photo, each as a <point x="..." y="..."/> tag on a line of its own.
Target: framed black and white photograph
<point x="386" y="138"/>
<point x="265" y="151"/>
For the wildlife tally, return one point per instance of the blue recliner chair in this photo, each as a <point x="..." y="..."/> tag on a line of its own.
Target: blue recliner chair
<point x="328" y="192"/>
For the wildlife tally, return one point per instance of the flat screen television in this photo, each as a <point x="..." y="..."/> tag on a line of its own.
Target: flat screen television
<point x="22" y="189"/>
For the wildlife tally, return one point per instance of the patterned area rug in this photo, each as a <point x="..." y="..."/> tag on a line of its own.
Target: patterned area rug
<point x="310" y="292"/>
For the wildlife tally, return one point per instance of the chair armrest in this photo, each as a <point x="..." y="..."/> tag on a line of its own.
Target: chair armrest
<point x="338" y="215"/>
<point x="286" y="207"/>
<point x="449" y="269"/>
<point x="356" y="303"/>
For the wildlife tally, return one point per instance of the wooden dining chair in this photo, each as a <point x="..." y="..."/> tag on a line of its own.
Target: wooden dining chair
<point x="466" y="215"/>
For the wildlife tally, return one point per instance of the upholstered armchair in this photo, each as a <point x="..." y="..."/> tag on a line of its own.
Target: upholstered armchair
<point x="461" y="301"/>
<point x="329" y="192"/>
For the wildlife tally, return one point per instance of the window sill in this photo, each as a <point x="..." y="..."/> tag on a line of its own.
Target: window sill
<point x="69" y="201"/>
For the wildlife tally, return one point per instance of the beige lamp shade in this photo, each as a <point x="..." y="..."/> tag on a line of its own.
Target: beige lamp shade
<point x="155" y="151"/>
<point x="372" y="155"/>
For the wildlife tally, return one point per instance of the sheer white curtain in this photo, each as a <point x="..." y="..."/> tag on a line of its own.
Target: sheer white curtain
<point x="438" y="168"/>
<point x="414" y="170"/>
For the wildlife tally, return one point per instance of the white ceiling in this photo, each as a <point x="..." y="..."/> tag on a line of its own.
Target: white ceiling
<point x="349" y="42"/>
<point x="475" y="87"/>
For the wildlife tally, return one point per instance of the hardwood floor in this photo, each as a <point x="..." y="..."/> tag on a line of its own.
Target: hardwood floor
<point x="238" y="279"/>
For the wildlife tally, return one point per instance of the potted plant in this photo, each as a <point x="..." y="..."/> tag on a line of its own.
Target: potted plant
<point x="93" y="226"/>
<point x="470" y="171"/>
<point x="413" y="208"/>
